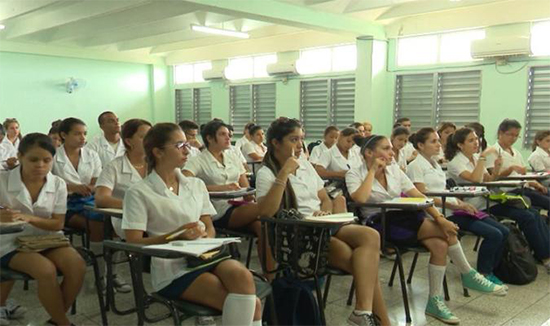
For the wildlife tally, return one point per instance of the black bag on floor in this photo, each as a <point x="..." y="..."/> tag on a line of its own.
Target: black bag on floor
<point x="517" y="266"/>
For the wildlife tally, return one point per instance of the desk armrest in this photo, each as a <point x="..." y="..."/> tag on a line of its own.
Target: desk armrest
<point x="142" y="249"/>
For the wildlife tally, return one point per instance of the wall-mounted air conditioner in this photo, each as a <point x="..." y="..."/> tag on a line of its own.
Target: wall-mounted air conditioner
<point x="282" y="69"/>
<point x="213" y="74"/>
<point x="498" y="47"/>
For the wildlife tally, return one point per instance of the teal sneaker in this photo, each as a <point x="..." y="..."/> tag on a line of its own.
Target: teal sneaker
<point x="493" y="278"/>
<point x="437" y="308"/>
<point x="477" y="282"/>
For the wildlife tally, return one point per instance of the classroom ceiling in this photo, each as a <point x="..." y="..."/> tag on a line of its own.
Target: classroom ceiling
<point x="161" y="27"/>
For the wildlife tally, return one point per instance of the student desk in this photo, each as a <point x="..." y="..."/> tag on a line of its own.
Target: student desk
<point x="232" y="194"/>
<point x="11" y="228"/>
<point x="536" y="176"/>
<point x="459" y="193"/>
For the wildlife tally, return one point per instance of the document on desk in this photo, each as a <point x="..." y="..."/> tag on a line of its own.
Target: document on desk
<point x="332" y="218"/>
<point x="241" y="192"/>
<point x="472" y="190"/>
<point x="195" y="247"/>
<point x="418" y="201"/>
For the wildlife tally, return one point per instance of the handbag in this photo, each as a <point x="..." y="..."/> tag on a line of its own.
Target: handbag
<point x="38" y="243"/>
<point x="512" y="200"/>
<point x="208" y="258"/>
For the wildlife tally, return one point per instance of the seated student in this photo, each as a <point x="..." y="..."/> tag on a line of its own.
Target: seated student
<point x="329" y="139"/>
<point x="246" y="136"/>
<point x="377" y="180"/>
<point x="540" y="157"/>
<point x="10" y="142"/>
<point x="166" y="201"/>
<point x="360" y="128"/>
<point x="191" y="130"/>
<point x="30" y="193"/>
<point x="466" y="167"/>
<point x="107" y="145"/>
<point x="513" y="164"/>
<point x="444" y="131"/>
<point x="399" y="138"/>
<point x="427" y="175"/>
<point x="480" y="132"/>
<point x="408" y="150"/>
<point x="54" y="134"/>
<point x="80" y="167"/>
<point x="335" y="162"/>
<point x="255" y="149"/>
<point x="284" y="182"/>
<point x="368" y="128"/>
<point x="3" y="150"/>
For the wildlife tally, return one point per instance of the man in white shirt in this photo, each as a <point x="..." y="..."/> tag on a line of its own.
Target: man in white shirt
<point x="191" y="130"/>
<point x="108" y="145"/>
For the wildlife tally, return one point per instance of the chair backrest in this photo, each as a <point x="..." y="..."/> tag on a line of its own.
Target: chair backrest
<point x="313" y="144"/>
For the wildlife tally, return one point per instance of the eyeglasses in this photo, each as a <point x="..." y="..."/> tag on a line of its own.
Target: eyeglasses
<point x="179" y="145"/>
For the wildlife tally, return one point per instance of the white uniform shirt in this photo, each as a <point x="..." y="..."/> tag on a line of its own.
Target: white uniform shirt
<point x="151" y="207"/>
<point x="407" y="150"/>
<point x="3" y="157"/>
<point x="241" y="142"/>
<point x="12" y="148"/>
<point x="397" y="180"/>
<point x="252" y="147"/>
<point x="233" y="150"/>
<point x="306" y="185"/>
<point x="193" y="151"/>
<point x="89" y="166"/>
<point x="105" y="149"/>
<point x="459" y="164"/>
<point x="333" y="160"/>
<point x="507" y="159"/>
<point x="212" y="172"/>
<point x="317" y="152"/>
<point x="52" y="199"/>
<point x="420" y="170"/>
<point x="539" y="160"/>
<point x="7" y="150"/>
<point x="118" y="175"/>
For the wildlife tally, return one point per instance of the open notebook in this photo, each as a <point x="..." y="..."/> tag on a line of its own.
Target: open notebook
<point x="195" y="247"/>
<point x="332" y="218"/>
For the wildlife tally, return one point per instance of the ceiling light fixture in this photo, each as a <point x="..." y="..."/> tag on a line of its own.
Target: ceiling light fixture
<point x="219" y="31"/>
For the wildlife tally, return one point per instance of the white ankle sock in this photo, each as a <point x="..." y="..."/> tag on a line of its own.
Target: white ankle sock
<point x="362" y="312"/>
<point x="257" y="322"/>
<point x="435" y="275"/>
<point x="456" y="254"/>
<point x="238" y="309"/>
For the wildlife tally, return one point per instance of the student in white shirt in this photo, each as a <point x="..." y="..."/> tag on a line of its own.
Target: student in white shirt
<point x="284" y="182"/>
<point x="330" y="138"/>
<point x="53" y="133"/>
<point x="191" y="131"/>
<point x="427" y="175"/>
<point x="368" y="128"/>
<point x="335" y="162"/>
<point x="255" y="149"/>
<point x="399" y="138"/>
<point x="11" y="142"/>
<point x="80" y="167"/>
<point x="513" y="163"/>
<point x="540" y="157"/>
<point x="108" y="144"/>
<point x="444" y="130"/>
<point x="234" y="150"/>
<point x="408" y="151"/>
<point x="246" y="136"/>
<point x="378" y="180"/>
<point x="30" y="193"/>
<point x="3" y="150"/>
<point x="167" y="201"/>
<point x="466" y="167"/>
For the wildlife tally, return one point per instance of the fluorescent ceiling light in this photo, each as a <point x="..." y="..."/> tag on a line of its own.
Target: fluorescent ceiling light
<point x="219" y="31"/>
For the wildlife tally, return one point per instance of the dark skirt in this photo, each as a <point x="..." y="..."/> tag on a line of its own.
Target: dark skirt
<point x="174" y="290"/>
<point x="402" y="226"/>
<point x="75" y="205"/>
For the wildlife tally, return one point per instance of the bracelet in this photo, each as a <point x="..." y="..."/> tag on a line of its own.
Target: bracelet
<point x="279" y="182"/>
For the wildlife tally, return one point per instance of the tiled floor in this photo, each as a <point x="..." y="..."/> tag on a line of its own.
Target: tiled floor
<point x="527" y="305"/>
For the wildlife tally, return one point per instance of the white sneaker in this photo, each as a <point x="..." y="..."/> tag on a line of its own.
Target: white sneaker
<point x="14" y="309"/>
<point x="120" y="285"/>
<point x="205" y="321"/>
<point x="4" y="321"/>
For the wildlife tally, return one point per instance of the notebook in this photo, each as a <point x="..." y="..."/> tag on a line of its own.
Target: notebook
<point x="332" y="218"/>
<point x="195" y="247"/>
<point x="418" y="201"/>
<point x="231" y="192"/>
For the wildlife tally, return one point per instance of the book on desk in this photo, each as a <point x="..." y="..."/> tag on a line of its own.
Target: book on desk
<point x="195" y="247"/>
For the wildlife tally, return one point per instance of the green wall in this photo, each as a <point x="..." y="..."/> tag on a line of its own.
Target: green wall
<point x="32" y="89"/>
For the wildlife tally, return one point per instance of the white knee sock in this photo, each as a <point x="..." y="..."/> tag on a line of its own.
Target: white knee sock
<point x="97" y="249"/>
<point x="456" y="254"/>
<point x="435" y="275"/>
<point x="238" y="309"/>
<point x="257" y="323"/>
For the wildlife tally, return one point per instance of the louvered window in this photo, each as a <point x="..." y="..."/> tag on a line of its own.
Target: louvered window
<point x="326" y="102"/>
<point x="431" y="99"/>
<point x="194" y="104"/>
<point x="252" y="103"/>
<point x="537" y="112"/>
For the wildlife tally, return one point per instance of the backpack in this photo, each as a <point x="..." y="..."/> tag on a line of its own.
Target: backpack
<point x="295" y="303"/>
<point x="312" y="145"/>
<point x="517" y="266"/>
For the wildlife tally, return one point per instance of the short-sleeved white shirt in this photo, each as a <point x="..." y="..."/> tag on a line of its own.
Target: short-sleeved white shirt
<point x="408" y="150"/>
<point x="89" y="166"/>
<point x="233" y="150"/>
<point x="402" y="160"/>
<point x="306" y="185"/>
<point x="241" y="142"/>
<point x="459" y="164"/>
<point x="105" y="150"/>
<point x="7" y="150"/>
<point x="151" y="207"/>
<point x="212" y="172"/>
<point x="333" y="160"/>
<point x="317" y="152"/>
<point x="507" y="159"/>
<point x="11" y="147"/>
<point x="539" y="160"/>
<point x="253" y="147"/>
<point x="398" y="183"/>
<point x="52" y="199"/>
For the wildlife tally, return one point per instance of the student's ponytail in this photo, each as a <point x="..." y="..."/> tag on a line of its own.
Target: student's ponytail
<point x="459" y="137"/>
